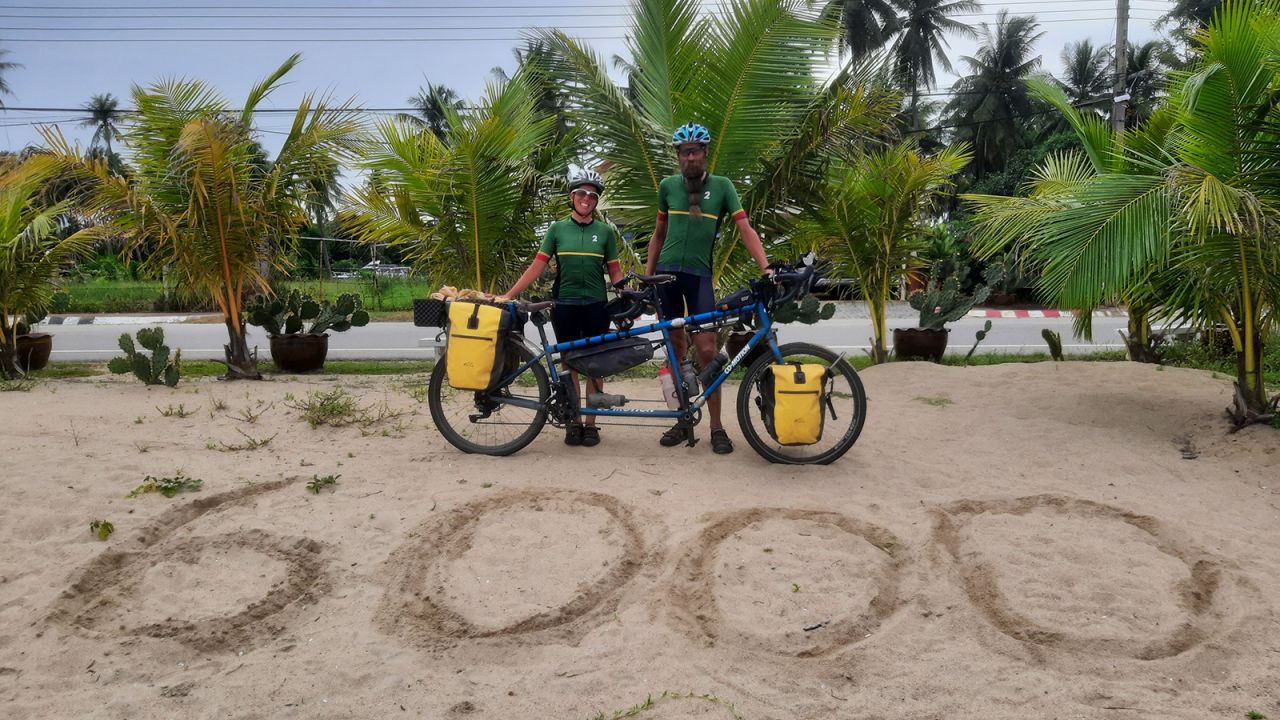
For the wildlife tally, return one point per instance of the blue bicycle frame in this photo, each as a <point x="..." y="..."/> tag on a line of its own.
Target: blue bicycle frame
<point x="714" y="318"/>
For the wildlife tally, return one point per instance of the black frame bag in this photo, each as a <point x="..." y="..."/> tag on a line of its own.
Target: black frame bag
<point x="610" y="358"/>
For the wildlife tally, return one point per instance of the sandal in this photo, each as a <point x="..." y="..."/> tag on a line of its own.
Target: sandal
<point x="674" y="436"/>
<point x="720" y="442"/>
<point x="590" y="436"/>
<point x="573" y="434"/>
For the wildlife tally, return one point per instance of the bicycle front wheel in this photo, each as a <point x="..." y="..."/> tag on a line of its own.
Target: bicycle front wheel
<point x="840" y="429"/>
<point x="486" y="422"/>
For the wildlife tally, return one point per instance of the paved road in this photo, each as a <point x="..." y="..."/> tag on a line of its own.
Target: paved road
<point x="401" y="340"/>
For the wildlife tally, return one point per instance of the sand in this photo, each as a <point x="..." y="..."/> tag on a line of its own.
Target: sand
<point x="1039" y="546"/>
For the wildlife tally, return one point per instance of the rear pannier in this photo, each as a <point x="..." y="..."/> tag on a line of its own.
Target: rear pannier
<point x="477" y="335"/>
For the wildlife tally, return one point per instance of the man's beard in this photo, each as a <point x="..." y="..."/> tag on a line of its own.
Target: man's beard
<point x="695" y="179"/>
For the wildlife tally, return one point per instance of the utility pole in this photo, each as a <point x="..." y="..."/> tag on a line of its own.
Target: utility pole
<point x="1120" y="101"/>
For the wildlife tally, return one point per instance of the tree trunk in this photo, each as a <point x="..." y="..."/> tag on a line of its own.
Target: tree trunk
<point x="1140" y="342"/>
<point x="1250" y="404"/>
<point x="8" y="361"/>
<point x="241" y="365"/>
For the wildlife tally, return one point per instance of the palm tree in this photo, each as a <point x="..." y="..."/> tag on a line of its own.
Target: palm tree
<point x="868" y="24"/>
<point x="1147" y="72"/>
<point x="463" y="206"/>
<point x="104" y="114"/>
<point x="925" y="24"/>
<point x="1085" y="71"/>
<point x="868" y="222"/>
<point x="433" y="103"/>
<point x="1194" y="197"/>
<point x="4" y="68"/>
<point x="32" y="252"/>
<point x="204" y="196"/>
<point x="992" y="100"/>
<point x="749" y="77"/>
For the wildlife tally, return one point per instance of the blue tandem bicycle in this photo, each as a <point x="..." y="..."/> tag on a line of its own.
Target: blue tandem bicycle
<point x="533" y="390"/>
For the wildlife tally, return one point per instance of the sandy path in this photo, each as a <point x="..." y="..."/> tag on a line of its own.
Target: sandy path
<point x="1037" y="547"/>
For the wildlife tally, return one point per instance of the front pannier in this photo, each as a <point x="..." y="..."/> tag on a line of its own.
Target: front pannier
<point x="610" y="358"/>
<point x="477" y="335"/>
<point x="792" y="398"/>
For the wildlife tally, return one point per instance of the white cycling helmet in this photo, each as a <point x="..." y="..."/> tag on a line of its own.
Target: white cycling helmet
<point x="585" y="176"/>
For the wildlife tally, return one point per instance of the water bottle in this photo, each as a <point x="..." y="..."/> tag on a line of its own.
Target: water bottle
<point x="709" y="373"/>
<point x="605" y="400"/>
<point x="668" y="386"/>
<point x="690" y="377"/>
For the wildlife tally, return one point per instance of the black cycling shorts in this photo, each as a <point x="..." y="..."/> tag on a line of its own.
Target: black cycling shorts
<point x="576" y="322"/>
<point x="689" y="295"/>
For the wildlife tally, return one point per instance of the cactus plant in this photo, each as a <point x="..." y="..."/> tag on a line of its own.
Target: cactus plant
<point x="299" y="314"/>
<point x="1054" y="341"/>
<point x="942" y="303"/>
<point x="807" y="311"/>
<point x="155" y="369"/>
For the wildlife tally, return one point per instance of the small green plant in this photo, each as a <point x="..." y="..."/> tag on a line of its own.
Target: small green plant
<point x="334" y="408"/>
<point x="1255" y="715"/>
<point x="18" y="385"/>
<point x="297" y="313"/>
<point x="180" y="411"/>
<point x="978" y="338"/>
<point x="248" y="415"/>
<point x="216" y="405"/>
<point x="156" y="369"/>
<point x="941" y="303"/>
<point x="934" y="400"/>
<point x="795" y="588"/>
<point x="102" y="528"/>
<point x="250" y="443"/>
<point x="167" y="486"/>
<point x="487" y="485"/>
<point x="1054" y="341"/>
<point x="317" y="483"/>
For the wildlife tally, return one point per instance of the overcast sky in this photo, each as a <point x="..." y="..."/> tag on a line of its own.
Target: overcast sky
<point x="378" y="53"/>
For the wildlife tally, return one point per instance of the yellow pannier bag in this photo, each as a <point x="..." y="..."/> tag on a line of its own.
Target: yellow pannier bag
<point x="792" y="400"/>
<point x="474" y="348"/>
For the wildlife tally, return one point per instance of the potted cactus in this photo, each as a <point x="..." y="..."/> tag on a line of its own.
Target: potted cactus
<point x="298" y="326"/>
<point x="938" y="304"/>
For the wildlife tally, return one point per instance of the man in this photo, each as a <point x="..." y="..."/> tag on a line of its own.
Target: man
<point x="585" y="249"/>
<point x="691" y="208"/>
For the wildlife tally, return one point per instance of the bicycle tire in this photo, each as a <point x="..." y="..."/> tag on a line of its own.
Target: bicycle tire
<point x="833" y="445"/>
<point x="451" y="411"/>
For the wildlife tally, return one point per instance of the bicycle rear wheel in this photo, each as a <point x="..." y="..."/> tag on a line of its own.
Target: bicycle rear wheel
<point x="484" y="422"/>
<point x="848" y="398"/>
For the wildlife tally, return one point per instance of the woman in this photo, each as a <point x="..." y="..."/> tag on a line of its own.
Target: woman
<point x="585" y="249"/>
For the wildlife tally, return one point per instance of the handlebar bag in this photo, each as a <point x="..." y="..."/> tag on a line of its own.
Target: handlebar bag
<point x="474" y="354"/>
<point x="791" y="402"/>
<point x="610" y="358"/>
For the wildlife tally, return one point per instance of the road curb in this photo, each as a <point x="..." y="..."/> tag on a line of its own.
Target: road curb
<point x="115" y="319"/>
<point x="987" y="313"/>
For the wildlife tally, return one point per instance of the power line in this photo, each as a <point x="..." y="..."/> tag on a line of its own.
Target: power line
<point x="285" y="40"/>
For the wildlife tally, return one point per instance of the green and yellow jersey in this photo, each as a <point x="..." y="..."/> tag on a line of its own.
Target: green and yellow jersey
<point x="690" y="243"/>
<point x="584" y="254"/>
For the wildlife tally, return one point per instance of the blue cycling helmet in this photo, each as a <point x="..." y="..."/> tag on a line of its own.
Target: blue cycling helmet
<point x="690" y="133"/>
